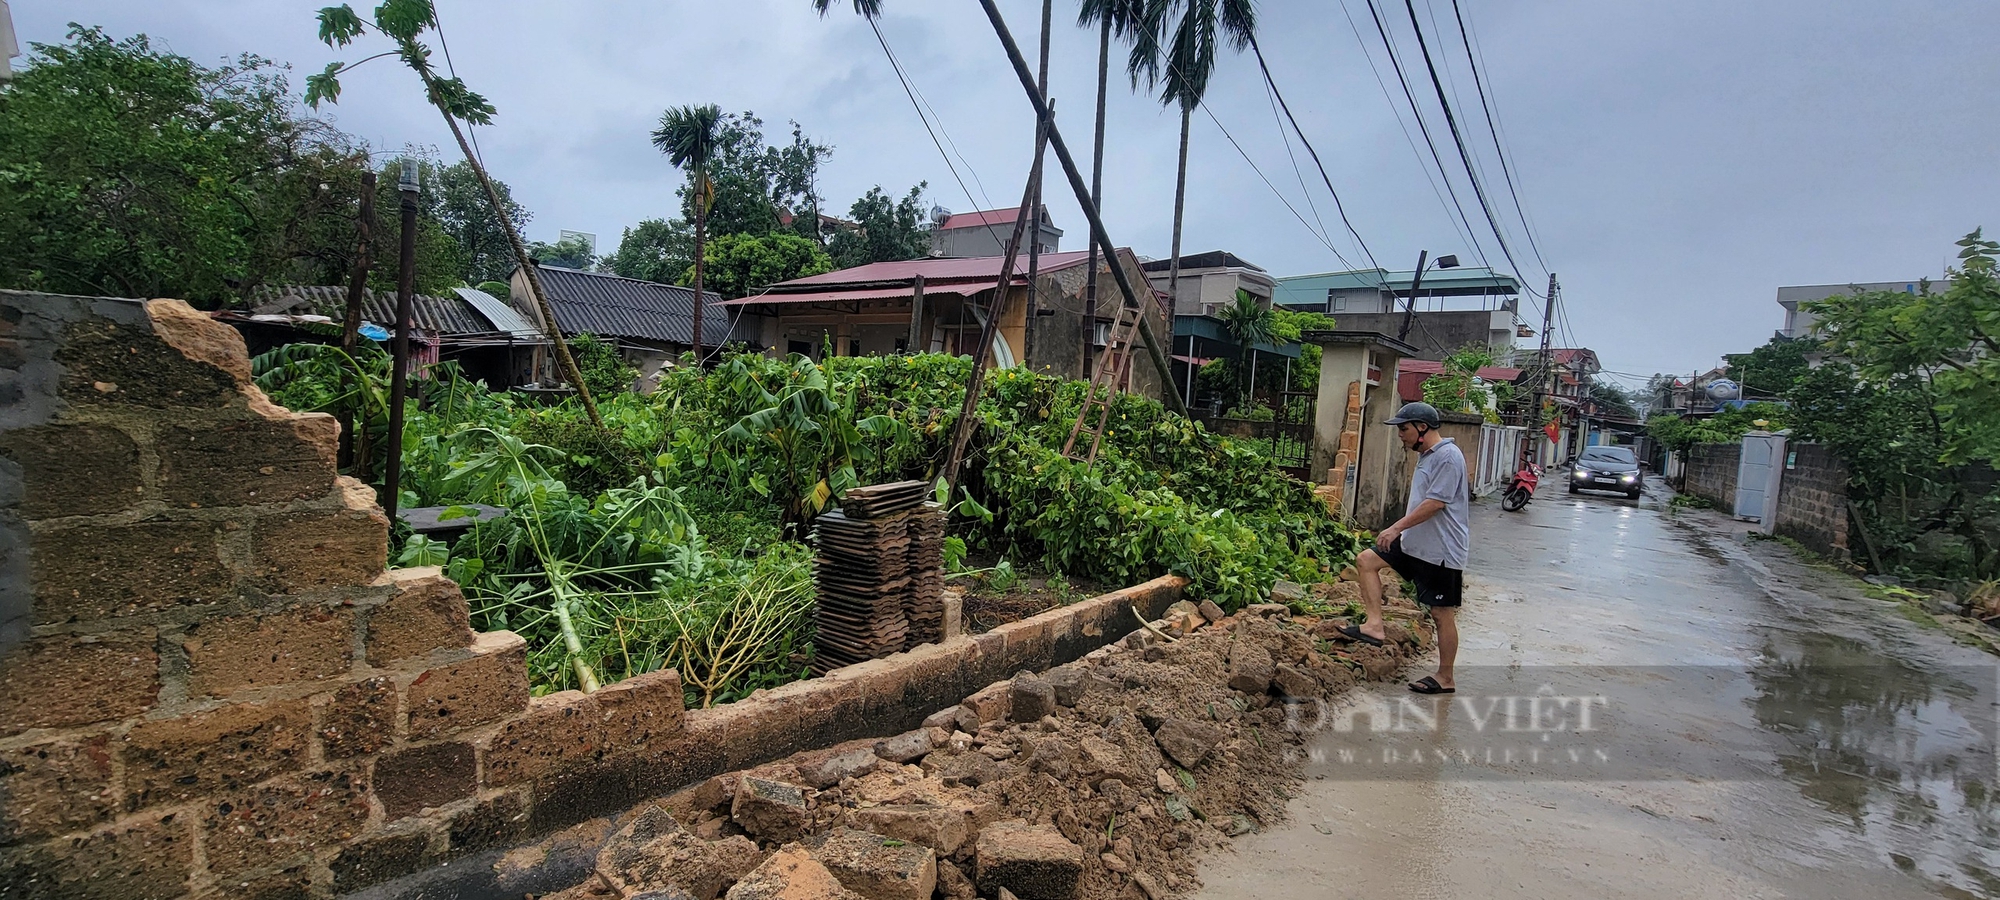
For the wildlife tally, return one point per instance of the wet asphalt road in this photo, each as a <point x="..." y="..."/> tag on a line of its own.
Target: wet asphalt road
<point x="1758" y="728"/>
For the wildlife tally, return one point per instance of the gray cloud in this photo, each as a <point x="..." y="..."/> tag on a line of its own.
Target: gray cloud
<point x="1680" y="161"/>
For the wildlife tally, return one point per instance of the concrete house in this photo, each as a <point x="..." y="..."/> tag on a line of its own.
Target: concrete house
<point x="939" y="305"/>
<point x="1454" y="307"/>
<point x="985" y="233"/>
<point x="1799" y="322"/>
<point x="1208" y="284"/>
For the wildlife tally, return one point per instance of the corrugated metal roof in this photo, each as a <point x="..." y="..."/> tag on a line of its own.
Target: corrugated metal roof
<point x="962" y="289"/>
<point x="443" y="315"/>
<point x="504" y="318"/>
<point x="611" y="306"/>
<point x="939" y="270"/>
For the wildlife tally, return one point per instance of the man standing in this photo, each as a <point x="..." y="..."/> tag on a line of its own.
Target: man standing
<point x="1428" y="545"/>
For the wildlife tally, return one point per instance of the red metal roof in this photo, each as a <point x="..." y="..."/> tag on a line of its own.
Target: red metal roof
<point x="1433" y="367"/>
<point x="934" y="270"/>
<point x="963" y="289"/>
<point x="982" y="217"/>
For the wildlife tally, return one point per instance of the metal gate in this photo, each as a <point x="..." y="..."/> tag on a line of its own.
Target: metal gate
<point x="1292" y="432"/>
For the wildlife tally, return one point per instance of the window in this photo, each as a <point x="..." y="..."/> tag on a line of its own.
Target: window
<point x="1334" y="301"/>
<point x="1610" y="454"/>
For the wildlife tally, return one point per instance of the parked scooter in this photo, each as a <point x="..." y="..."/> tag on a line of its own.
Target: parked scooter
<point x="1522" y="489"/>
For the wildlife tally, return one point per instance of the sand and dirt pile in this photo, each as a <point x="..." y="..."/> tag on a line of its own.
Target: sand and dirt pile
<point x="1104" y="778"/>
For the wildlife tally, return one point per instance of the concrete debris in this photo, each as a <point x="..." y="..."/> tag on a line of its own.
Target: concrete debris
<point x="1211" y="612"/>
<point x="1034" y="860"/>
<point x="879" y="867"/>
<point x="1287" y="592"/>
<point x="771" y="811"/>
<point x="1030" y="698"/>
<point x="791" y="874"/>
<point x="1103" y="779"/>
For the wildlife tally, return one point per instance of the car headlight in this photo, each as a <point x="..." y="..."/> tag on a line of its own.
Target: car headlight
<point x="1582" y="474"/>
<point x="1631" y="476"/>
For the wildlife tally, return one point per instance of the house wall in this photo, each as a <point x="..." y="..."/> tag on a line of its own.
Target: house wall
<point x="981" y="240"/>
<point x="1438" y="334"/>
<point x="1057" y="345"/>
<point x="1711" y="473"/>
<point x="210" y="686"/>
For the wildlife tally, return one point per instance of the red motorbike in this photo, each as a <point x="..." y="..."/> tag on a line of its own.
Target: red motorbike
<point x="1522" y="488"/>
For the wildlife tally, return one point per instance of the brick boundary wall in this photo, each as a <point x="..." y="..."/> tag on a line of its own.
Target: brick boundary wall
<point x="1812" y="500"/>
<point x="211" y="687"/>
<point x="1711" y="473"/>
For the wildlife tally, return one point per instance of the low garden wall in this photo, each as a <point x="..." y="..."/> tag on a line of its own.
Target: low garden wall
<point x="210" y="686"/>
<point x="1711" y="473"/>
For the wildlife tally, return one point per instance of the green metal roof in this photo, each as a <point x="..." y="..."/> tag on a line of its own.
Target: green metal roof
<point x="1310" y="290"/>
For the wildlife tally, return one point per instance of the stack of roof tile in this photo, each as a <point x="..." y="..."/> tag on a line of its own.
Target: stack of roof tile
<point x="879" y="574"/>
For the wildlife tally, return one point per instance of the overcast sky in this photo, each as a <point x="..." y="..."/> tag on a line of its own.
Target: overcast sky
<point x="1679" y="161"/>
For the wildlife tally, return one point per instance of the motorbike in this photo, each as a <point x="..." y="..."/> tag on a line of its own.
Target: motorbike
<point x="1522" y="488"/>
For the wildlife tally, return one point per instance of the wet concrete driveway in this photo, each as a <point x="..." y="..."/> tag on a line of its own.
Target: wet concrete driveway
<point x="1757" y="728"/>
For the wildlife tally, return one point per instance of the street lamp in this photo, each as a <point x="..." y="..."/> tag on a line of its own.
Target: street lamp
<point x="1447" y="261"/>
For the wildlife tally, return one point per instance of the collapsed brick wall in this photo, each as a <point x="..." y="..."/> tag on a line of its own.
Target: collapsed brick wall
<point x="1711" y="473"/>
<point x="214" y="688"/>
<point x="1812" y="500"/>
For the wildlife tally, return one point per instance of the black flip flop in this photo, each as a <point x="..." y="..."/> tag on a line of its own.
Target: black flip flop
<point x="1429" y="685"/>
<point x="1354" y="632"/>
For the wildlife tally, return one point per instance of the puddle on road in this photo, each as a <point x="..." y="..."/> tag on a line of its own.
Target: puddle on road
<point x="1900" y="756"/>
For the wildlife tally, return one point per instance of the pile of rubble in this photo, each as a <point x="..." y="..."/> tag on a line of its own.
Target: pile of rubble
<point x="1098" y="779"/>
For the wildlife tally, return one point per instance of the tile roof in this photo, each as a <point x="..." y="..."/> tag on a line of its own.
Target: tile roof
<point x="986" y="217"/>
<point x="612" y="306"/>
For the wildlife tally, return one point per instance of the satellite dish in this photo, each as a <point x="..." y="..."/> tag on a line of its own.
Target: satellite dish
<point x="1724" y="389"/>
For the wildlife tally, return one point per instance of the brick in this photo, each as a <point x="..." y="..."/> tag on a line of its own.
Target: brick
<point x="1029" y="860"/>
<point x="427" y="612"/>
<point x="74" y="470"/>
<point x="640" y="711"/>
<point x="105" y="572"/>
<point x="486" y="688"/>
<point x="55" y="787"/>
<point x="227" y="748"/>
<point x="280" y="819"/>
<point x="295" y="883"/>
<point x="358" y="719"/>
<point x="407" y="781"/>
<point x="305" y="550"/>
<point x="497" y="821"/>
<point x="241" y="652"/>
<point x="147" y="860"/>
<point x="105" y="364"/>
<point x="378" y="858"/>
<point x="557" y="731"/>
<point x="246" y="462"/>
<point x="879" y="867"/>
<point x="60" y="681"/>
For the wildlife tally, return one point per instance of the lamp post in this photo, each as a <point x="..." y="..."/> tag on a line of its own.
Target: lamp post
<point x="1447" y="261"/>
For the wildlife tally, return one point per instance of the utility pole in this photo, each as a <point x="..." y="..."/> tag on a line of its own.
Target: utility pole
<point x="1035" y="212"/>
<point x="1097" y="199"/>
<point x="354" y="441"/>
<point x="1544" y="375"/>
<point x="1410" y="305"/>
<point x="406" y="287"/>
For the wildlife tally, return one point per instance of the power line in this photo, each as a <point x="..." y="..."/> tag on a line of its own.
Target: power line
<point x="1285" y="138"/>
<point x="1499" y="147"/>
<point x="1417" y="113"/>
<point x="1273" y="187"/>
<point x="1272" y="84"/>
<point x="1459" y="140"/>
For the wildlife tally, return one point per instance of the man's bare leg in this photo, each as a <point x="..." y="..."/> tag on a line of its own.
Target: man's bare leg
<point x="1368" y="567"/>
<point x="1447" y="625"/>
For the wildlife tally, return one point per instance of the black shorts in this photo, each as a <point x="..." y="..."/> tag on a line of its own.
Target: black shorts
<point x="1436" y="584"/>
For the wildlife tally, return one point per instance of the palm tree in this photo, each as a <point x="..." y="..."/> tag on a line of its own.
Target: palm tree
<point x="1250" y="324"/>
<point x="1188" y="55"/>
<point x="687" y="135"/>
<point x="1123" y="18"/>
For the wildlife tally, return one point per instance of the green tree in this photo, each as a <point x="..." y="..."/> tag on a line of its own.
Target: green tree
<point x="1286" y="328"/>
<point x="655" y="250"/>
<point x="1453" y="389"/>
<point x="1771" y="370"/>
<point x="1612" y="399"/>
<point x="454" y="198"/>
<point x="688" y="135"/>
<point x="887" y="229"/>
<point x="1945" y="341"/>
<point x="440" y="259"/>
<point x="1249" y="323"/>
<point x="1174" y="50"/>
<point x="129" y="171"/>
<point x="742" y="264"/>
<point x="569" y="253"/>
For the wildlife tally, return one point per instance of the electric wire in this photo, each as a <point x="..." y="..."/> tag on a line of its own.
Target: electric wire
<point x="1492" y="126"/>
<point x="1286" y="139"/>
<point x="1417" y="112"/>
<point x="1459" y="140"/>
<point x="1272" y="85"/>
<point x="1274" y="188"/>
